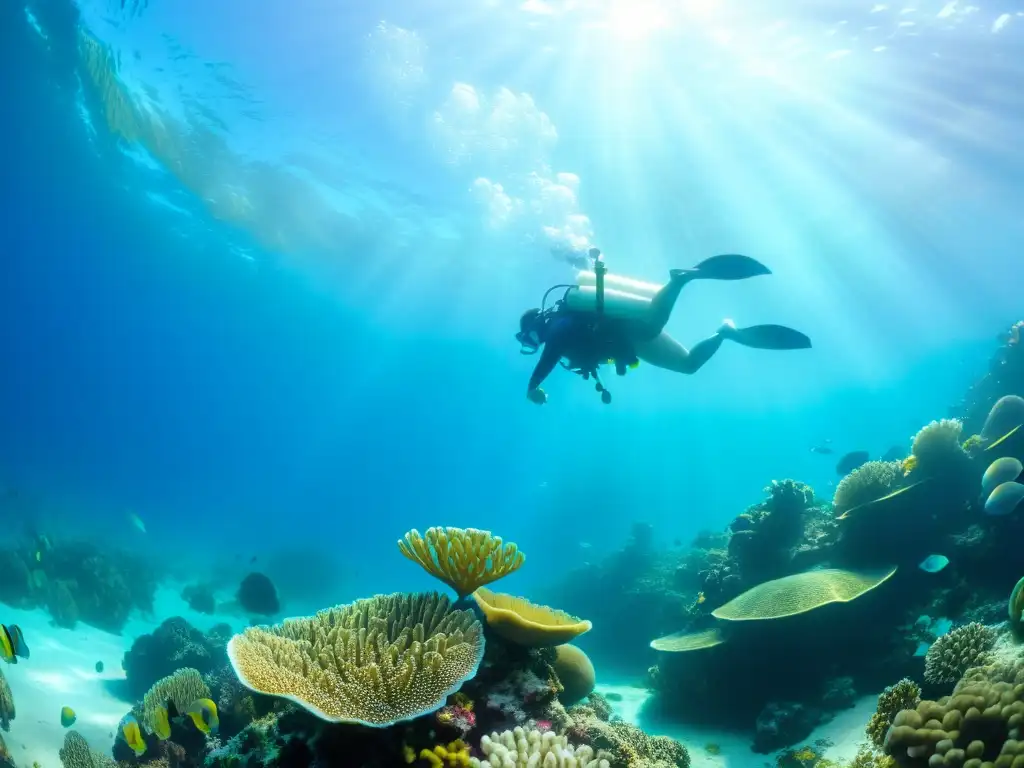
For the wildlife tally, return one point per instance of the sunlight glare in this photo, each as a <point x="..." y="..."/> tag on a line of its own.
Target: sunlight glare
<point x="636" y="21"/>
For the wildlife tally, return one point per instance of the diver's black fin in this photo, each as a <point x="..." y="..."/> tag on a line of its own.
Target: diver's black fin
<point x="728" y="266"/>
<point x="770" y="337"/>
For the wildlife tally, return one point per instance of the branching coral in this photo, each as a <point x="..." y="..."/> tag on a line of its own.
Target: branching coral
<point x="76" y="753"/>
<point x="979" y="725"/>
<point x="521" y="748"/>
<point x="377" y="661"/>
<point x="182" y="689"/>
<point x="953" y="653"/>
<point x="865" y="484"/>
<point x="463" y="558"/>
<point x="627" y="745"/>
<point x="7" y="710"/>
<point x="906" y="694"/>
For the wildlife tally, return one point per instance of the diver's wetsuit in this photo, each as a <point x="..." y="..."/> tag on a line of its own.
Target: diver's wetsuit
<point x="575" y="336"/>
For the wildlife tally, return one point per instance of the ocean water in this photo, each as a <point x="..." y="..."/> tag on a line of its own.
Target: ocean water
<point x="263" y="265"/>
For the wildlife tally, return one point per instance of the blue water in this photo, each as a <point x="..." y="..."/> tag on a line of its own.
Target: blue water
<point x="284" y="321"/>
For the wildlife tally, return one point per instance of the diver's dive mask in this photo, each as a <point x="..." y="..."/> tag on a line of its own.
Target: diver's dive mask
<point x="529" y="342"/>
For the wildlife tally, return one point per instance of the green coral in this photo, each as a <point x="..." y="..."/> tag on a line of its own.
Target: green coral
<point x="182" y="689"/>
<point x="867" y="483"/>
<point x="954" y="653"/>
<point x="906" y="694"/>
<point x="76" y="753"/>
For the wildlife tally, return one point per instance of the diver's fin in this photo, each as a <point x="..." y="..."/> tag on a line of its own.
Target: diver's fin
<point x="729" y="266"/>
<point x="770" y="337"/>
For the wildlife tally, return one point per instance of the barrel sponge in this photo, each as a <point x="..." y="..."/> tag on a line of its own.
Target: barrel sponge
<point x="182" y="689"/>
<point x="936" y="445"/>
<point x="6" y="704"/>
<point x="956" y="651"/>
<point x="575" y="672"/>
<point x="519" y="621"/>
<point x="979" y="725"/>
<point x="463" y="558"/>
<point x="520" y="748"/>
<point x="76" y="753"/>
<point x="376" y="662"/>
<point x="906" y="694"/>
<point x="800" y="593"/>
<point x="866" y="483"/>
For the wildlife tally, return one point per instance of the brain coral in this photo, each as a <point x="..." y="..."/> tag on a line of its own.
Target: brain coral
<point x="377" y="661"/>
<point x="906" y="694"/>
<point x="463" y="558"/>
<point x="868" y="482"/>
<point x="800" y="593"/>
<point x="955" y="652"/>
<point x="978" y="726"/>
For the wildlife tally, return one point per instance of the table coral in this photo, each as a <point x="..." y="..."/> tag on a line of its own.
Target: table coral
<point x="377" y="661"/>
<point x="463" y="558"/>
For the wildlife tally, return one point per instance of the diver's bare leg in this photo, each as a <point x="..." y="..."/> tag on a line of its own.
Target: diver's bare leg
<point x="665" y="352"/>
<point x="662" y="304"/>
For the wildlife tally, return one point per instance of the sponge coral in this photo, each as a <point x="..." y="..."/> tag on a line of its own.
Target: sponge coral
<point x="978" y="726"/>
<point x="955" y="652"/>
<point x="906" y="694"/>
<point x="377" y="661"/>
<point x="182" y="689"/>
<point x="463" y="558"/>
<point x="865" y="484"/>
<point x="519" y="621"/>
<point x="522" y="748"/>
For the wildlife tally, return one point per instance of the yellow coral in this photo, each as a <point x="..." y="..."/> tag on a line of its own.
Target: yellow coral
<point x="376" y="662"/>
<point x="463" y="558"/>
<point x="800" y="593"/>
<point x="908" y="465"/>
<point x="182" y="689"/>
<point x="453" y="755"/>
<point x="462" y="701"/>
<point x="518" y="620"/>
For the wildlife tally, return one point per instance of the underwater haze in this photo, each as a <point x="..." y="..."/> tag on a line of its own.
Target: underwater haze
<point x="264" y="265"/>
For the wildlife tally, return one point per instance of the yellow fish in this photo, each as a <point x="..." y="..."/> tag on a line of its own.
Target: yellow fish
<point x="12" y="643"/>
<point x="67" y="717"/>
<point x="129" y="730"/>
<point x="161" y="723"/>
<point x="204" y="714"/>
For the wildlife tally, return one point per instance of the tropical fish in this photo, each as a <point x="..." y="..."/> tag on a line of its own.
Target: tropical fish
<point x="136" y="521"/>
<point x="823" y="448"/>
<point x="204" y="714"/>
<point x="894" y="454"/>
<point x="1000" y="471"/>
<point x="12" y="643"/>
<point x="67" y="717"/>
<point x="99" y="666"/>
<point x="128" y="730"/>
<point x="1004" y="499"/>
<point x="934" y="563"/>
<point x="851" y="461"/>
<point x="161" y="723"/>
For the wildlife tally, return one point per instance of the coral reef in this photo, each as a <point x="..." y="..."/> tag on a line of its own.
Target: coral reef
<point x="520" y="748"/>
<point x="519" y="621"/>
<point x="257" y="594"/>
<point x="763" y="537"/>
<point x="181" y="689"/>
<point x="865" y="484"/>
<point x="979" y="724"/>
<point x="626" y="745"/>
<point x="200" y="598"/>
<point x="7" y="710"/>
<point x="376" y="662"/>
<point x="575" y="673"/>
<point x="955" y="652"/>
<point x="906" y="694"/>
<point x="463" y="558"/>
<point x="76" y="753"/>
<point x="171" y="646"/>
<point x="936" y="447"/>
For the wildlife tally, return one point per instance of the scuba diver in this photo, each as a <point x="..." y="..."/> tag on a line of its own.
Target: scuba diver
<point x="621" y="321"/>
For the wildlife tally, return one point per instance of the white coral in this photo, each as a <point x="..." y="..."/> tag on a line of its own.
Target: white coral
<point x="521" y="748"/>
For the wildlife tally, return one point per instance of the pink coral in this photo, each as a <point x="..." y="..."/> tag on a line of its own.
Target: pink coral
<point x="458" y="717"/>
<point x="544" y="726"/>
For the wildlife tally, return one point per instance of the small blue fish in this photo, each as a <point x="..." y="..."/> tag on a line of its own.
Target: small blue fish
<point x="934" y="563"/>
